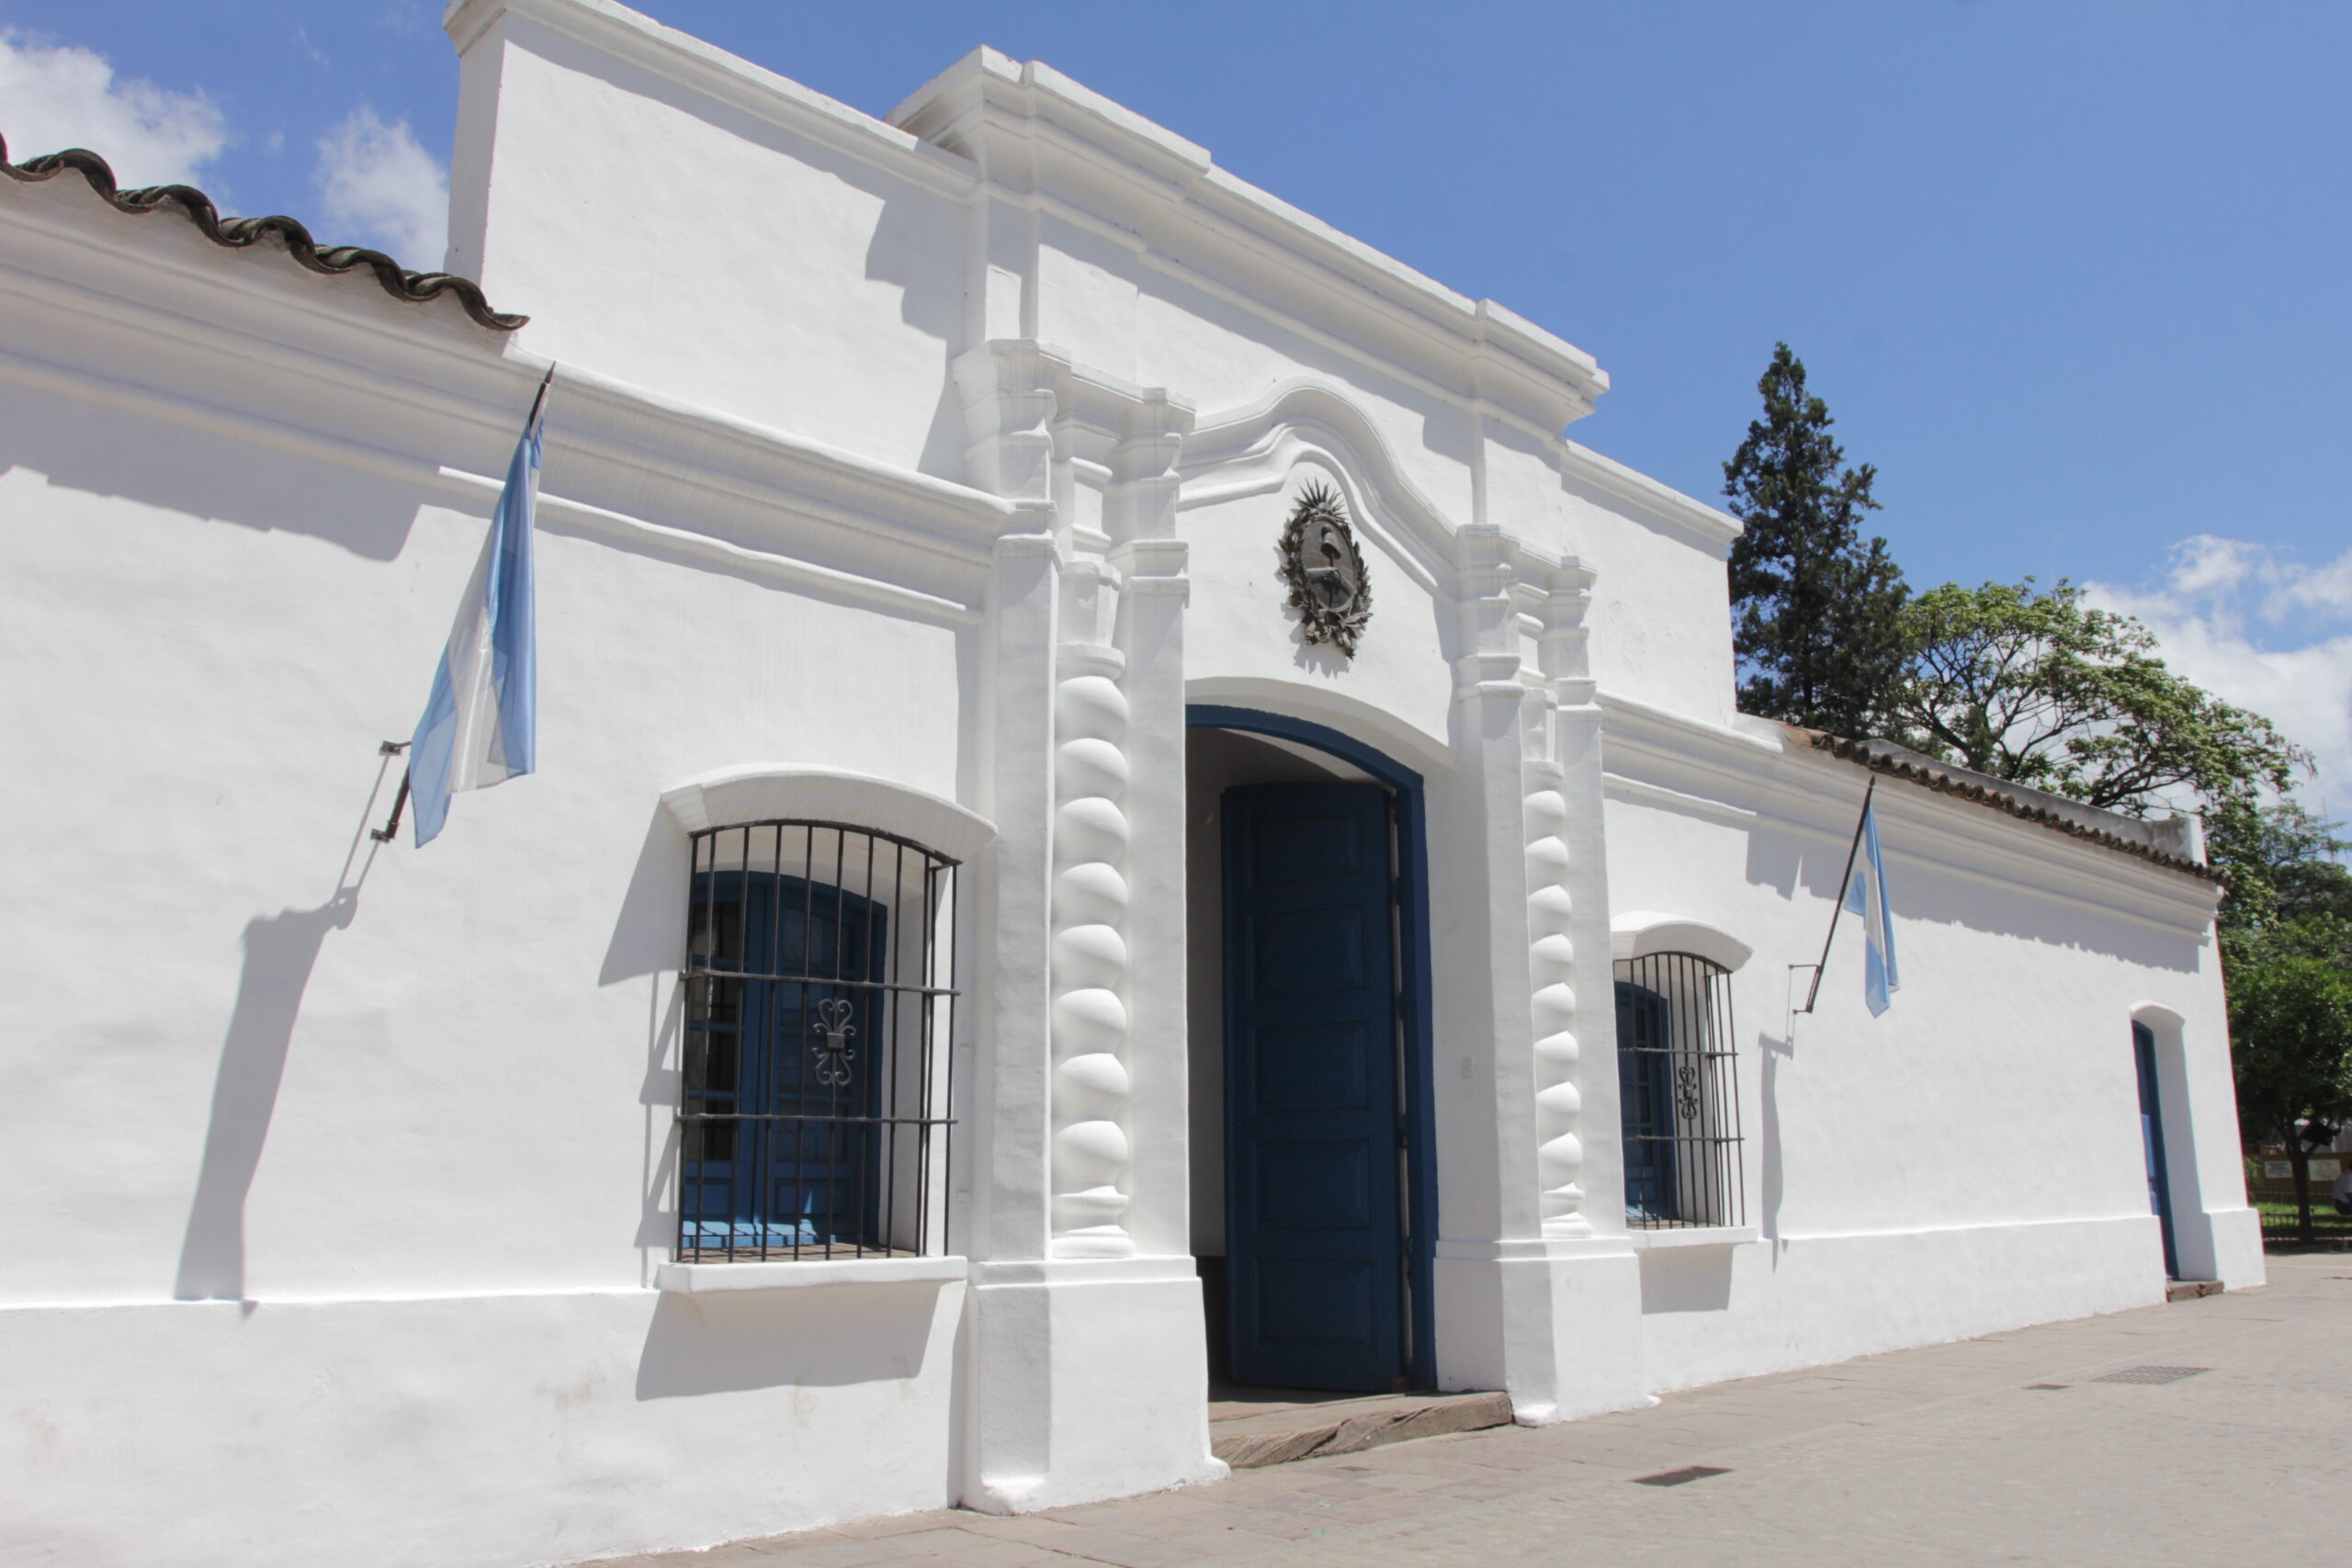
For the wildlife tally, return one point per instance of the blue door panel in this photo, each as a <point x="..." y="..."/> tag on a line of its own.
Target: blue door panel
<point x="1314" y="1186"/>
<point x="1313" y="1216"/>
<point x="1318" y="1307"/>
<point x="1305" y="954"/>
<point x="1311" y="1066"/>
<point x="1295" y="848"/>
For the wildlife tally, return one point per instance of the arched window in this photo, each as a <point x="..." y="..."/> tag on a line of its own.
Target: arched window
<point x="814" y="1113"/>
<point x="1679" y="1093"/>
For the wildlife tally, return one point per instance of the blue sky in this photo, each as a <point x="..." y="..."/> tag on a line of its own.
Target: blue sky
<point x="2073" y="275"/>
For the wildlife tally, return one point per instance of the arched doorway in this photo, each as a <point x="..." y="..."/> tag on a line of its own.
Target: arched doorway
<point x="1314" y="1160"/>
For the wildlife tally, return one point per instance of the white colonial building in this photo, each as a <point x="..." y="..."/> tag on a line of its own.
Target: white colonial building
<point x="1114" y="799"/>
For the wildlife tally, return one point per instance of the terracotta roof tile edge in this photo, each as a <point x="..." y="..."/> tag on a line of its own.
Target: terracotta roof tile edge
<point x="238" y="233"/>
<point x="1999" y="800"/>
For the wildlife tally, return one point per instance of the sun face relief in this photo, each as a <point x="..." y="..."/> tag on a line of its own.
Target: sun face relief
<point x="1325" y="570"/>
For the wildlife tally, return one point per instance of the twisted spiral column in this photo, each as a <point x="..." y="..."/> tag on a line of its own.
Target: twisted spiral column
<point x="1552" y="971"/>
<point x="1093" y="1092"/>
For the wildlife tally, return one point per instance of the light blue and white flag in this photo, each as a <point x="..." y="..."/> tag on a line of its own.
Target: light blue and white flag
<point x="1866" y="896"/>
<point x="481" y="724"/>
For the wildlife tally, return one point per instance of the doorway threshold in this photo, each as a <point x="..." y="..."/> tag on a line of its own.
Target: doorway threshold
<point x="1252" y="1428"/>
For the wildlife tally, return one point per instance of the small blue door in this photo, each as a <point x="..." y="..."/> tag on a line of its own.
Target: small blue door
<point x="1314" y="1255"/>
<point x="784" y="1047"/>
<point x="2152" y="1141"/>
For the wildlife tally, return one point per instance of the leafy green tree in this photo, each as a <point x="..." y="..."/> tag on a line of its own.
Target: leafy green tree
<point x="1816" y="610"/>
<point x="2284" y="864"/>
<point x="2286" y="956"/>
<point x="2291" y="1038"/>
<point x="2040" y="689"/>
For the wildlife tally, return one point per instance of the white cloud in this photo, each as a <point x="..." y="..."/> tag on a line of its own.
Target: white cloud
<point x="52" y="98"/>
<point x="2267" y="634"/>
<point x="379" y="187"/>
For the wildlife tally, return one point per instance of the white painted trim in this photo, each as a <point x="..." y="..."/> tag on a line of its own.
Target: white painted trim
<point x="479" y="491"/>
<point x="987" y="97"/>
<point x="715" y="1278"/>
<point x="761" y="790"/>
<point x="1786" y="787"/>
<point x="1254" y="448"/>
<point x="1142" y="1270"/>
<point x="1638" y="933"/>
<point x="392" y="404"/>
<point x="1712" y="530"/>
<point x="1376" y="728"/>
<point x="1622" y="786"/>
<point x="1693" y="1235"/>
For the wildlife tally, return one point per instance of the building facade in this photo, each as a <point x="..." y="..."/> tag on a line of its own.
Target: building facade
<point x="1113" y="798"/>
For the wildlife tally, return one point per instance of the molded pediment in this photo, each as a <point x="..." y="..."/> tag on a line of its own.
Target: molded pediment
<point x="1255" y="448"/>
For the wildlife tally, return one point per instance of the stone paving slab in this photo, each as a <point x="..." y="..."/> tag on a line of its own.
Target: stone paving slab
<point x="1289" y="1433"/>
<point x="1942" y="1456"/>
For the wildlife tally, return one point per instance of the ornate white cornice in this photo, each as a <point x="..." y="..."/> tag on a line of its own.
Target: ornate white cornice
<point x="1043" y="140"/>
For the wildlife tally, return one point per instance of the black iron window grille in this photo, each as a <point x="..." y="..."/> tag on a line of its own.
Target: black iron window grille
<point x="1678" y="1083"/>
<point x="818" y="1079"/>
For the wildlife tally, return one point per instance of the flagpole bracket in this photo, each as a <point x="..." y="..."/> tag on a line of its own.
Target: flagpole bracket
<point x="391" y="829"/>
<point x="1812" y="992"/>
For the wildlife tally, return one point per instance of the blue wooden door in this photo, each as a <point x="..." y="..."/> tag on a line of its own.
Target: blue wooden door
<point x="1314" y="1253"/>
<point x="2152" y="1141"/>
<point x="788" y="1055"/>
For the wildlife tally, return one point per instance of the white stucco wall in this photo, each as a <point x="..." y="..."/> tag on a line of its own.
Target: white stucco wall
<point x="1971" y="1159"/>
<point x="783" y="258"/>
<point x="950" y="451"/>
<point x="342" y="1171"/>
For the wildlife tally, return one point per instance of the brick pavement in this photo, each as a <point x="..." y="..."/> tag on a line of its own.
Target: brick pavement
<point x="1944" y="1455"/>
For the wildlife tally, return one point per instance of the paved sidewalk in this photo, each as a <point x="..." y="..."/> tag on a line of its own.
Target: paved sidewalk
<point x="1997" y="1451"/>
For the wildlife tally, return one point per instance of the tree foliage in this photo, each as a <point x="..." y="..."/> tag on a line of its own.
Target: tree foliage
<point x="2291" y="1038"/>
<point x="2040" y="689"/>
<point x="1817" y="627"/>
<point x="2284" y="865"/>
<point x="2286" y="960"/>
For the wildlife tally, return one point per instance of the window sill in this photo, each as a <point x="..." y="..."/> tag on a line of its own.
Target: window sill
<point x="711" y="1279"/>
<point x="1693" y="1235"/>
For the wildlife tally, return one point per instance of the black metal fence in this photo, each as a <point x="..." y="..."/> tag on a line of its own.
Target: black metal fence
<point x="1678" y="1081"/>
<point x="818" y="1080"/>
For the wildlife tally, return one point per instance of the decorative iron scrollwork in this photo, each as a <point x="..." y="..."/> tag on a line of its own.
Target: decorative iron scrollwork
<point x="832" y="1050"/>
<point x="1328" y="587"/>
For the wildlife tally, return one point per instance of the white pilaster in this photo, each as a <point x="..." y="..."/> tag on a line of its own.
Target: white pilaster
<point x="1087" y="1349"/>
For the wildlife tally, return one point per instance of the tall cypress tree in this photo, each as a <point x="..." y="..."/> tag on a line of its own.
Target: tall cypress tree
<point x="1816" y="620"/>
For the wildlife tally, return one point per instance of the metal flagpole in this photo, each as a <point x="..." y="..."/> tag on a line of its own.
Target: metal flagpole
<point x="1845" y="880"/>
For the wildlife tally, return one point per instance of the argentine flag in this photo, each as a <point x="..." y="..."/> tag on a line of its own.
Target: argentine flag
<point x="481" y="724"/>
<point x="1866" y="896"/>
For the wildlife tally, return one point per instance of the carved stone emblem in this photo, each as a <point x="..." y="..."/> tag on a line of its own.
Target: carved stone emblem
<point x="1325" y="570"/>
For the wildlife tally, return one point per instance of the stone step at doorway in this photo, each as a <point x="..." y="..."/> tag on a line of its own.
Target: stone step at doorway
<point x="1250" y="1428"/>
<point x="2190" y="1289"/>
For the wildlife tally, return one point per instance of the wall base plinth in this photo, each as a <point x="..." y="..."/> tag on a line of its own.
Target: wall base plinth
<point x="1089" y="1378"/>
<point x="1556" y="1324"/>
